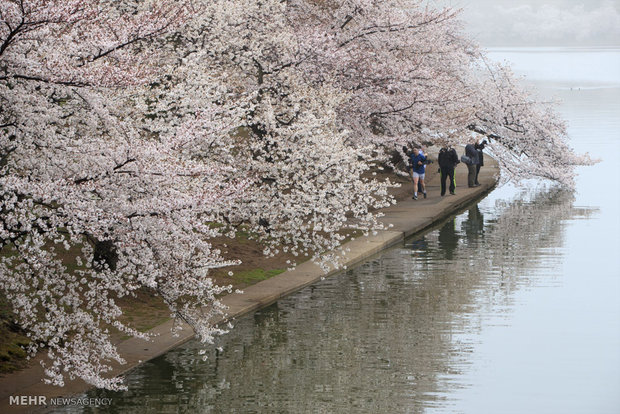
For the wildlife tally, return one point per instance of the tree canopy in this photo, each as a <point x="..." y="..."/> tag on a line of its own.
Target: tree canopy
<point x="136" y="132"/>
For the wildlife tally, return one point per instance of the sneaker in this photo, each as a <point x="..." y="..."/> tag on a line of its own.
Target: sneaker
<point x="452" y="193"/>
<point x="415" y="197"/>
<point x="424" y="195"/>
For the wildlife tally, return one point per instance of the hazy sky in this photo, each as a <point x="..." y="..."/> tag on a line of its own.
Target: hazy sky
<point x="543" y="22"/>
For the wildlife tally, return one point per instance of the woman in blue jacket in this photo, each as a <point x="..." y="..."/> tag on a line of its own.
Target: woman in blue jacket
<point x="416" y="167"/>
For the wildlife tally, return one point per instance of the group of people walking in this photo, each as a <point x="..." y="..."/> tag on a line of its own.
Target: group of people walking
<point x="447" y="160"/>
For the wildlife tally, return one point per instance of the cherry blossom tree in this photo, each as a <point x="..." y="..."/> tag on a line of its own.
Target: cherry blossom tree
<point x="528" y="138"/>
<point x="75" y="172"/>
<point x="412" y="75"/>
<point x="308" y="181"/>
<point x="401" y="63"/>
<point x="136" y="132"/>
<point x="117" y="143"/>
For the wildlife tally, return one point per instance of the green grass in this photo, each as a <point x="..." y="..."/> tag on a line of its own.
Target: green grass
<point x="12" y="355"/>
<point x="256" y="275"/>
<point x="12" y="340"/>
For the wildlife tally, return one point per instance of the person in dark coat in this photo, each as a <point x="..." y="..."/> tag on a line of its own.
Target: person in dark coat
<point x="472" y="166"/>
<point x="479" y="147"/>
<point x="447" y="160"/>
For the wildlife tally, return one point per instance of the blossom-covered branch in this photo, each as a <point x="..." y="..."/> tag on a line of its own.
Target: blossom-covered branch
<point x="80" y="179"/>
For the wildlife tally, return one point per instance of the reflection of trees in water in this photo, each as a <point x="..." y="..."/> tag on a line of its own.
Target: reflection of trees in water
<point x="385" y="338"/>
<point x="528" y="232"/>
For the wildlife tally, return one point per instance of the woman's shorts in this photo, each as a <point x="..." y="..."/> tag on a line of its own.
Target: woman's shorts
<point x="416" y="175"/>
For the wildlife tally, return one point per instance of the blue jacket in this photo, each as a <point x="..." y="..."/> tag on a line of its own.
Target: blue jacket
<point x="414" y="163"/>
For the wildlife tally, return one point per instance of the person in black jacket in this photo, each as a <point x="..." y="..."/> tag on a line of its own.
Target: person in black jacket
<point x="472" y="165"/>
<point x="479" y="147"/>
<point x="447" y="160"/>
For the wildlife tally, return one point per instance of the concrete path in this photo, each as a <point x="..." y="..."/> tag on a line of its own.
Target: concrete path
<point x="408" y="217"/>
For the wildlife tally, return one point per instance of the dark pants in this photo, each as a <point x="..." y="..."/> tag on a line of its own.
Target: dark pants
<point x="471" y="175"/>
<point x="447" y="172"/>
<point x="477" y="172"/>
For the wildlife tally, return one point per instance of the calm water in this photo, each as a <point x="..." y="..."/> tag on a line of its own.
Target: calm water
<point x="509" y="307"/>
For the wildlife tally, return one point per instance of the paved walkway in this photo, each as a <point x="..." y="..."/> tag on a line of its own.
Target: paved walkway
<point x="407" y="218"/>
